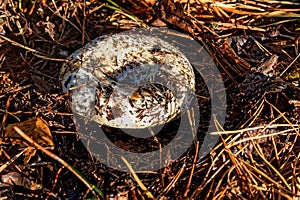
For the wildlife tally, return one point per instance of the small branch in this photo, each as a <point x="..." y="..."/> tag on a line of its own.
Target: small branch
<point x="92" y="187"/>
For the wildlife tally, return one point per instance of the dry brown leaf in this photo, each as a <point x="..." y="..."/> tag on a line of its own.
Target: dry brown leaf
<point x="36" y="128"/>
<point x="17" y="179"/>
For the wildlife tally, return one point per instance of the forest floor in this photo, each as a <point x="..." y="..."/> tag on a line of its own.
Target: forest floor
<point x="255" y="47"/>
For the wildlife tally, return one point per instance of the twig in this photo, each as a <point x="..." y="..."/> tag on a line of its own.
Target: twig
<point x="192" y="170"/>
<point x="175" y="179"/>
<point x="92" y="187"/>
<point x="9" y="162"/>
<point x="137" y="179"/>
<point x="35" y="52"/>
<point x="252" y="129"/>
<point x="290" y="65"/>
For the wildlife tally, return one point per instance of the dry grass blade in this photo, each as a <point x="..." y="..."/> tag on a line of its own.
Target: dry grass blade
<point x="174" y="180"/>
<point x="258" y="150"/>
<point x="116" y="7"/>
<point x="226" y="26"/>
<point x="285" y="118"/>
<point x="35" y="52"/>
<point x="9" y="162"/>
<point x="253" y="128"/>
<point x="210" y="177"/>
<point x="263" y="174"/>
<point x="192" y="170"/>
<point x="58" y="159"/>
<point x="293" y="62"/>
<point x="138" y="180"/>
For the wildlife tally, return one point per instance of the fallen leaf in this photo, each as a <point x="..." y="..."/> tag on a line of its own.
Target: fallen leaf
<point x="36" y="128"/>
<point x="17" y="179"/>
